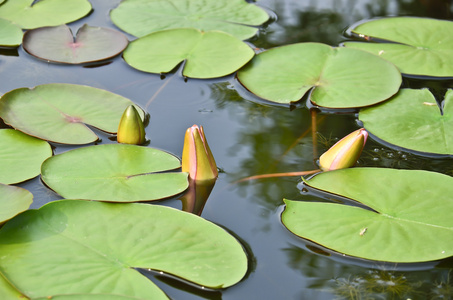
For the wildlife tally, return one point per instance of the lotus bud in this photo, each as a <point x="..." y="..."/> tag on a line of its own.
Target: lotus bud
<point x="345" y="152"/>
<point x="131" y="129"/>
<point x="197" y="158"/>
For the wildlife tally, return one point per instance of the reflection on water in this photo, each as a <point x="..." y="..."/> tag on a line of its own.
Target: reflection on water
<point x="249" y="138"/>
<point x="349" y="281"/>
<point x="323" y="21"/>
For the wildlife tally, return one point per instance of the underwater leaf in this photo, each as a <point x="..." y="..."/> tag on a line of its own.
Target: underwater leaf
<point x="412" y="120"/>
<point x="57" y="112"/>
<point x="337" y="77"/>
<point x="13" y="200"/>
<point x="58" y="44"/>
<point x="102" y="244"/>
<point x="21" y="156"/>
<point x="236" y="17"/>
<point x="114" y="172"/>
<point x="206" y="54"/>
<point x="30" y="14"/>
<point x="10" y="34"/>
<point x="417" y="46"/>
<point x="411" y="221"/>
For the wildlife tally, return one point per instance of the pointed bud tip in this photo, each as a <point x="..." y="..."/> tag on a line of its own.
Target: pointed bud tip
<point x="345" y="152"/>
<point x="131" y="129"/>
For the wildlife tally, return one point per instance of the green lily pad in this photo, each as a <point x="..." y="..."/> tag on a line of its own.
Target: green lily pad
<point x="413" y="120"/>
<point x="206" y="54"/>
<point x="21" y="156"/>
<point x="57" y="112"/>
<point x="418" y="46"/>
<point x="13" y="200"/>
<point x="91" y="44"/>
<point x="411" y="221"/>
<point x="123" y="173"/>
<point x="29" y="15"/>
<point x="79" y="247"/>
<point x="10" y="34"/>
<point x="337" y="77"/>
<point x="8" y="292"/>
<point x="142" y="17"/>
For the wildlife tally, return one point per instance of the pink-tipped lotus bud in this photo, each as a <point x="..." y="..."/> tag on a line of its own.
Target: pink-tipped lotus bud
<point x="345" y="152"/>
<point x="197" y="158"/>
<point x="131" y="129"/>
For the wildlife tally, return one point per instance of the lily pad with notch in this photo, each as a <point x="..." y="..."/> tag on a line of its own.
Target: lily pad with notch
<point x="114" y="172"/>
<point x="104" y="243"/>
<point x="335" y="77"/>
<point x="13" y="201"/>
<point x="21" y="156"/>
<point x="58" y="112"/>
<point x="29" y="14"/>
<point x="10" y="34"/>
<point x="91" y="44"/>
<point x="412" y="119"/>
<point x="205" y="54"/>
<point x="408" y="217"/>
<point x="417" y="46"/>
<point x="142" y="17"/>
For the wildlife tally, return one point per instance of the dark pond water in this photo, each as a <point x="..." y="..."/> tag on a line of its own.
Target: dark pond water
<point x="249" y="137"/>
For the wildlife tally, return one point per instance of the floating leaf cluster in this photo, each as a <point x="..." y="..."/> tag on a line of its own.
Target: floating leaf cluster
<point x="207" y="39"/>
<point x="402" y="207"/>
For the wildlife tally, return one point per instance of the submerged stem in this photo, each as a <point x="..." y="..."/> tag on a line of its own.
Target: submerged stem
<point x="158" y="92"/>
<point x="273" y="175"/>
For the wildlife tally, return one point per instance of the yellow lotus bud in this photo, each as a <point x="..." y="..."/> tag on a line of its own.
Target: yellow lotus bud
<point x="345" y="152"/>
<point x="131" y="129"/>
<point x="197" y="158"/>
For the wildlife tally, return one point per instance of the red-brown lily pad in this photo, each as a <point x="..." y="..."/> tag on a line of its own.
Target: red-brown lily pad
<point x="91" y="44"/>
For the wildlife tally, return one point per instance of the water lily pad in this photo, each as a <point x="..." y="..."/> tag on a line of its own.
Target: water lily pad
<point x="30" y="14"/>
<point x="7" y="291"/>
<point x="418" y="46"/>
<point x="114" y="172"/>
<point x="411" y="221"/>
<point x="13" y="200"/>
<point x="206" y="54"/>
<point x="58" y="112"/>
<point x="337" y="77"/>
<point x="236" y="17"/>
<point x="413" y="120"/>
<point x="10" y="34"/>
<point x="102" y="243"/>
<point x="21" y="156"/>
<point x="58" y="44"/>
